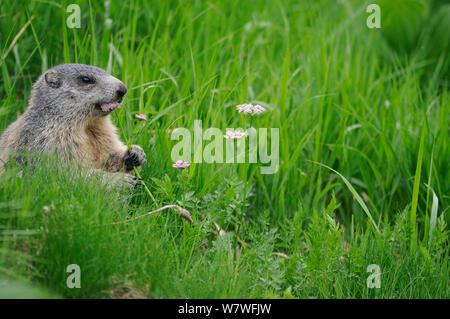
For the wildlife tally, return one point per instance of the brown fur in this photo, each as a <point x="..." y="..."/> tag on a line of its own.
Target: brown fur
<point x="103" y="147"/>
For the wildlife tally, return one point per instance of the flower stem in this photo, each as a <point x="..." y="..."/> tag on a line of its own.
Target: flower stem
<point x="145" y="186"/>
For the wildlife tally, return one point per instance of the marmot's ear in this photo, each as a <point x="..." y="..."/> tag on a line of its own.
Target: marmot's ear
<point x="53" y="79"/>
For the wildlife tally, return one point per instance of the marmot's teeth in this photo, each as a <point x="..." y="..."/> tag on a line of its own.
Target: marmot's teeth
<point x="108" y="107"/>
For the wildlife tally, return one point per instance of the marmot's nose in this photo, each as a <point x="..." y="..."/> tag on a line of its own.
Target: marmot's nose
<point x="121" y="91"/>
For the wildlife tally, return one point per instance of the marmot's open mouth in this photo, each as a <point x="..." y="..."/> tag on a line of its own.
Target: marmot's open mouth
<point x="109" y="107"/>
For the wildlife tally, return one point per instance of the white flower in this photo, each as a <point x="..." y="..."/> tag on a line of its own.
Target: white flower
<point x="235" y="134"/>
<point x="250" y="109"/>
<point x="258" y="109"/>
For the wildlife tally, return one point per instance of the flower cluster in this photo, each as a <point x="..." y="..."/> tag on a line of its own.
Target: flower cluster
<point x="235" y="134"/>
<point x="181" y="164"/>
<point x="250" y="109"/>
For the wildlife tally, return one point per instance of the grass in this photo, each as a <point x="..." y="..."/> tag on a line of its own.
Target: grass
<point x="363" y="178"/>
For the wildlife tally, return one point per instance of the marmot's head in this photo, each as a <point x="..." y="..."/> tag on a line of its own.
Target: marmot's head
<point x="78" y="91"/>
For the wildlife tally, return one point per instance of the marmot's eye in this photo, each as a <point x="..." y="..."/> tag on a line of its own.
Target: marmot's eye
<point x="86" y="79"/>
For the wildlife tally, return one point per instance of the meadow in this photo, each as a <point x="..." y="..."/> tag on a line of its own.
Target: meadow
<point x="363" y="178"/>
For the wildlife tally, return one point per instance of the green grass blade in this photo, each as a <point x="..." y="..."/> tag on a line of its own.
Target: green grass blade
<point x="415" y="195"/>
<point x="355" y="194"/>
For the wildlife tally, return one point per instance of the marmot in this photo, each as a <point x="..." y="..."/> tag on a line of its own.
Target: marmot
<point x="68" y="115"/>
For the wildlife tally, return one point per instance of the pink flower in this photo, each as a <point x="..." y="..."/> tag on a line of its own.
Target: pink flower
<point x="181" y="164"/>
<point x="142" y="117"/>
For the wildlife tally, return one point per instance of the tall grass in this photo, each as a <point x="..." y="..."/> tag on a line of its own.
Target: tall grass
<point x="340" y="97"/>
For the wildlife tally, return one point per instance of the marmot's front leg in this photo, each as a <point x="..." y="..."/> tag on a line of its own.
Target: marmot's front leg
<point x="135" y="157"/>
<point x="111" y="180"/>
<point x="126" y="159"/>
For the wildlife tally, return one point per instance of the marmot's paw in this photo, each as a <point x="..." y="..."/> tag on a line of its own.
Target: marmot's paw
<point x="122" y="180"/>
<point x="131" y="181"/>
<point x="135" y="157"/>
